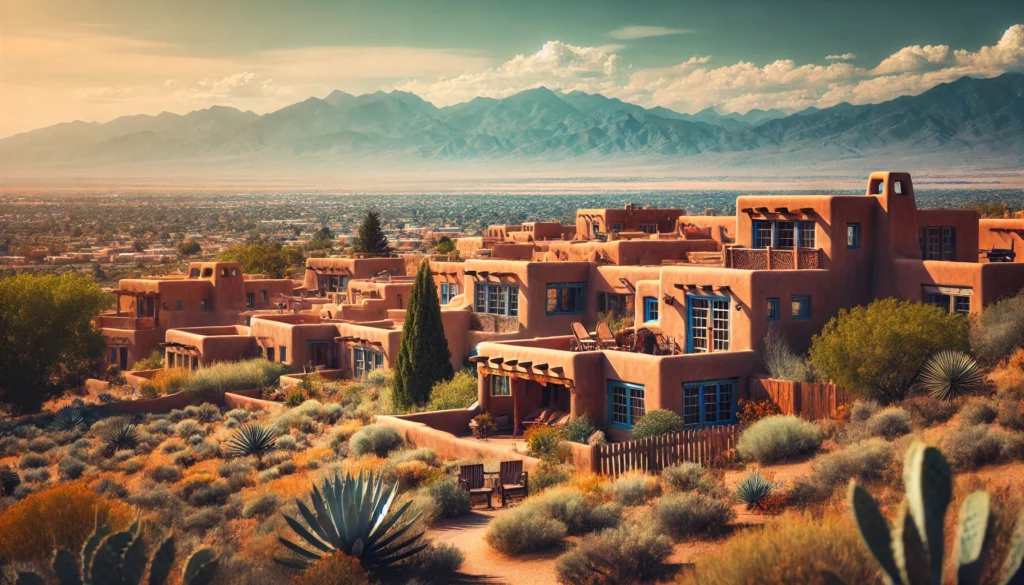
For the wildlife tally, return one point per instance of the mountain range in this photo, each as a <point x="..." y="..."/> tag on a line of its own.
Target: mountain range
<point x="966" y="118"/>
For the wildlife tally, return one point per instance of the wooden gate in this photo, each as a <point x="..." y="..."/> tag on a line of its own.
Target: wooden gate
<point x="656" y="453"/>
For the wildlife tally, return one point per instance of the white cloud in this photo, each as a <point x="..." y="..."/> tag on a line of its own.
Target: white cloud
<point x="629" y="33"/>
<point x="913" y="58"/>
<point x="843" y="57"/>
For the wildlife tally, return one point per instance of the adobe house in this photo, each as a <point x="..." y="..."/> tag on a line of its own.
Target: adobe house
<point x="599" y="223"/>
<point x="209" y="294"/>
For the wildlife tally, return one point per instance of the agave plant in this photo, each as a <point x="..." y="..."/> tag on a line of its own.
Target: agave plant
<point x="754" y="488"/>
<point x="9" y="479"/>
<point x="911" y="551"/>
<point x="120" y="434"/>
<point x="352" y="516"/>
<point x="119" y="558"/>
<point x="948" y="375"/>
<point x="68" y="418"/>
<point x="251" y="439"/>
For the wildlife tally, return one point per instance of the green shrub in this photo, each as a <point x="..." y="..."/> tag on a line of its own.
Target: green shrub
<point x="450" y="498"/>
<point x="517" y="534"/>
<point x="71" y="468"/>
<point x="978" y="411"/>
<point x="438" y="563"/>
<point x="262" y="505"/>
<point x="209" y="384"/>
<point x="459" y="392"/>
<point x="889" y="423"/>
<point x="862" y="410"/>
<point x="41" y="444"/>
<point x="542" y="440"/>
<point x="570" y="507"/>
<point x="685" y="476"/>
<point x="690" y="514"/>
<point x="780" y="360"/>
<point x="865" y="461"/>
<point x="548" y="474"/>
<point x="926" y="411"/>
<point x="657" y="422"/>
<point x="635" y="489"/>
<point x="878" y="350"/>
<point x="777" y="438"/>
<point x="377" y="439"/>
<point x="423" y="454"/>
<point x="1011" y="414"/>
<point x="971" y="446"/>
<point x="753" y="489"/>
<point x="165" y="474"/>
<point x="630" y="554"/>
<point x="999" y="330"/>
<point x="33" y="461"/>
<point x="579" y="429"/>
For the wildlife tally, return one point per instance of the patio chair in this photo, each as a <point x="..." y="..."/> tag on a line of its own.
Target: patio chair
<point x="513" y="482"/>
<point x="605" y="339"/>
<point x="535" y="417"/>
<point x="645" y="342"/>
<point x="471" y="478"/>
<point x="584" y="342"/>
<point x="666" y="346"/>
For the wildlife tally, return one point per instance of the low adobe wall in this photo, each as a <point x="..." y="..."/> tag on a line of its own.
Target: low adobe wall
<point x="289" y="380"/>
<point x="248" y="399"/>
<point x="135" y="378"/>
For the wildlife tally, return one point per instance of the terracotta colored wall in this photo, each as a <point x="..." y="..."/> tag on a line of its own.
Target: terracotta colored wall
<point x="356" y="268"/>
<point x="448" y="446"/>
<point x="966" y="225"/>
<point x="723" y="227"/>
<point x="1011" y="238"/>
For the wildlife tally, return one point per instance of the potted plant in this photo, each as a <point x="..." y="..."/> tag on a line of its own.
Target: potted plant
<point x="483" y="426"/>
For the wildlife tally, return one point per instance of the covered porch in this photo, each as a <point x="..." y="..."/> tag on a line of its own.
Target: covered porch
<point x="523" y="393"/>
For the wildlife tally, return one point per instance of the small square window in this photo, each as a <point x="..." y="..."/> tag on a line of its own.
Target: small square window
<point x="250" y="300"/>
<point x="853" y="235"/>
<point x="179" y="304"/>
<point x="204" y="305"/>
<point x="263" y="296"/>
<point x="500" y="386"/>
<point x="897" y="187"/>
<point x="801" y="307"/>
<point x="772" y="309"/>
<point x="283" y="353"/>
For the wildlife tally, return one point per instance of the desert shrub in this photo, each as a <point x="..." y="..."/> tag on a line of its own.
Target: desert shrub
<point x="657" y="422"/>
<point x="865" y="461"/>
<point x="634" y="489"/>
<point x="1011" y="444"/>
<point x="780" y="360"/>
<point x="208" y="413"/>
<point x="110" y="487"/>
<point x="630" y="554"/>
<point x="978" y="411"/>
<point x="878" y="350"/>
<point x="172" y="446"/>
<point x="154" y="499"/>
<point x="749" y="412"/>
<point x="206" y="450"/>
<point x="287" y="443"/>
<point x="169" y="381"/>
<point x="1011" y="414"/>
<point x="210" y="383"/>
<point x="999" y="330"/>
<point x="33" y="460"/>
<point x="792" y="549"/>
<point x="449" y="497"/>
<point x="410" y="474"/>
<point x="335" y="568"/>
<point x="889" y="423"/>
<point x="459" y="392"/>
<point x="926" y="411"/>
<point x="688" y="476"/>
<point x="423" y="454"/>
<point x="61" y="516"/>
<point x="261" y="505"/>
<point x="579" y="429"/>
<point x="754" y="489"/>
<point x="10" y="446"/>
<point x="517" y="534"/>
<point x="570" y="507"/>
<point x="165" y="474"/>
<point x="777" y="438"/>
<point x="188" y="427"/>
<point x="689" y="514"/>
<point x="542" y="441"/>
<point x="971" y="446"/>
<point x="203" y="520"/>
<point x="238" y="415"/>
<point x="862" y="410"/>
<point x="36" y="475"/>
<point x="184" y="459"/>
<point x="153" y="361"/>
<point x="268" y="475"/>
<point x="41" y="444"/>
<point x="377" y="439"/>
<point x="70" y="468"/>
<point x="437" y="563"/>
<point x="548" y="474"/>
<point x="134" y="465"/>
<point x="213" y="494"/>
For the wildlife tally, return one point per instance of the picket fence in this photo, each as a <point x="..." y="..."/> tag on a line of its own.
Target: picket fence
<point x="653" y="454"/>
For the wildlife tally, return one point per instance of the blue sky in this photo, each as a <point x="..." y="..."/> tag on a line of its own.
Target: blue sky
<point x="97" y="59"/>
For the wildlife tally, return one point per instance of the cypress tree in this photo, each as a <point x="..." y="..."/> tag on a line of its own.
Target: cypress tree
<point x="371" y="238"/>
<point x="423" y="357"/>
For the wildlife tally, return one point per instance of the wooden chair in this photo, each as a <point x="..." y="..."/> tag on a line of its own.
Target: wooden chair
<point x="513" y="482"/>
<point x="605" y="338"/>
<point x="471" y="478"/>
<point x="584" y="342"/>
<point x="645" y="342"/>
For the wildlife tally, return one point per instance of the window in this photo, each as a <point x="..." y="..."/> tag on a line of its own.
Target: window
<point x="709" y="324"/>
<point x="207" y="272"/>
<point x="937" y="243"/>
<point x="501" y="386"/>
<point x="448" y="292"/>
<point x="566" y="298"/>
<point x="204" y="305"/>
<point x="772" y="310"/>
<point x="223" y="271"/>
<point x="650" y="309"/>
<point x="617" y="227"/>
<point x="951" y="299"/>
<point x="897" y="187"/>
<point x="250" y="299"/>
<point x="784" y="235"/>
<point x="263" y="296"/>
<point x="853" y="235"/>
<point x="166" y="305"/>
<point x="283" y="353"/>
<point x="709" y="403"/>
<point x="625" y="403"/>
<point x="270" y="354"/>
<point x="366" y="359"/>
<point x="801" y="307"/>
<point x="649" y="228"/>
<point x="179" y="304"/>
<point x="614" y="303"/>
<point x="497" y="299"/>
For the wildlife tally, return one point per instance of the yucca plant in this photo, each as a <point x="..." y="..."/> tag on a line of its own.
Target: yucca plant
<point x="9" y="479"/>
<point x="68" y="418"/>
<point x="119" y="558"/>
<point x="948" y="375"/>
<point x="120" y="434"/>
<point x="911" y="552"/>
<point x="351" y="515"/>
<point x="754" y="488"/>
<point x="251" y="439"/>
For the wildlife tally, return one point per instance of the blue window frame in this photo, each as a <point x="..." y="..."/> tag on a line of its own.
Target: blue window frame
<point x="709" y="403"/>
<point x="448" y="292"/>
<point x="801" y="307"/>
<point x="708" y="318"/>
<point x="650" y="309"/>
<point x="784" y="234"/>
<point x="853" y="235"/>
<point x="625" y="404"/>
<point x="567" y="298"/>
<point x="497" y="299"/>
<point x="763" y="234"/>
<point x="366" y="359"/>
<point x="773" y="310"/>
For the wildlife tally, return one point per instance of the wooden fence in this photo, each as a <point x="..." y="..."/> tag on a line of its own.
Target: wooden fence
<point x="808" y="400"/>
<point x="656" y="453"/>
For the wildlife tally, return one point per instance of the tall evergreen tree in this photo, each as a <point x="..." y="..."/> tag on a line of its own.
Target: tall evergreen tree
<point x="371" y="238"/>
<point x="423" y="357"/>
